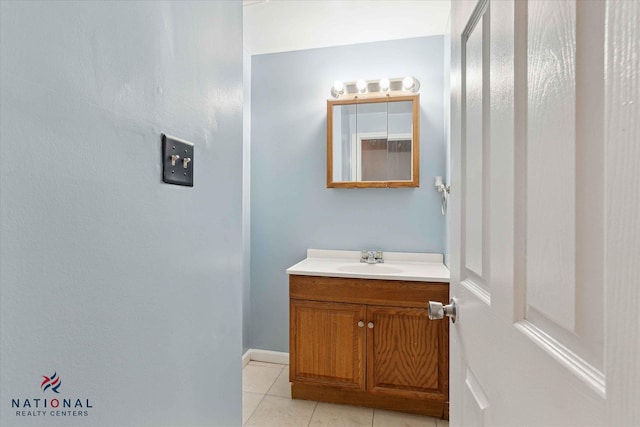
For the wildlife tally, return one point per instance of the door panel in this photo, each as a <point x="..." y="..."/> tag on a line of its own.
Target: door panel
<point x="329" y="346"/>
<point x="475" y="401"/>
<point x="563" y="214"/>
<point x="550" y="161"/>
<point x="474" y="144"/>
<point x="475" y="152"/>
<point x="406" y="353"/>
<point x="528" y="346"/>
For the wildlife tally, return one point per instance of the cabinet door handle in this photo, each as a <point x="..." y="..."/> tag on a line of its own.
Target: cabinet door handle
<point x="370" y="325"/>
<point x="361" y="324"/>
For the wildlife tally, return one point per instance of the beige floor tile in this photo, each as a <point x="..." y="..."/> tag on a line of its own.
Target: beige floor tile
<point x="399" y="419"/>
<point x="250" y="402"/>
<point x="442" y="423"/>
<point x="282" y="386"/>
<point x="276" y="411"/>
<point x="330" y="415"/>
<point x="266" y="364"/>
<point x="258" y="379"/>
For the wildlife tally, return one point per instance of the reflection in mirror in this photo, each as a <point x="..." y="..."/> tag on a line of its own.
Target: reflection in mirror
<point x="344" y="119"/>
<point x="373" y="143"/>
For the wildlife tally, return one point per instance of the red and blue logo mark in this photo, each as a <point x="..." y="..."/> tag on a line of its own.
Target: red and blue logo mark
<point x="52" y="382"/>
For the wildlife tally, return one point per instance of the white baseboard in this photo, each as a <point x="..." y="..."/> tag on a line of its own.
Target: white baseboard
<point x="267" y="356"/>
<point x="246" y="357"/>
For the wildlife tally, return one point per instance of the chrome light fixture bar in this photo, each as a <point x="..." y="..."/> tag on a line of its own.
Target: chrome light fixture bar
<point x="382" y="86"/>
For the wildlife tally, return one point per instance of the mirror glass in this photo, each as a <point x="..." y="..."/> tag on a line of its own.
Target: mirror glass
<point x="373" y="143"/>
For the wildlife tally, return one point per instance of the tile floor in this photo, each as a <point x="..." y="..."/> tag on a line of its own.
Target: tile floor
<point x="266" y="402"/>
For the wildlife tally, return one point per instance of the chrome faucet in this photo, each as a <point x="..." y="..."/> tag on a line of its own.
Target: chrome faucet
<point x="371" y="257"/>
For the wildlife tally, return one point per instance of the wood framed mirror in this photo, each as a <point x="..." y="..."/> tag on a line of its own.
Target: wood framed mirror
<point x="373" y="142"/>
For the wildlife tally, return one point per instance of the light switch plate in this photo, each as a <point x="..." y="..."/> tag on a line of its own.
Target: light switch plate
<point x="177" y="160"/>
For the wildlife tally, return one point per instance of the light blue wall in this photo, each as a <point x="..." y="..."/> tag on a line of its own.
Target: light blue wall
<point x="129" y="289"/>
<point x="291" y="208"/>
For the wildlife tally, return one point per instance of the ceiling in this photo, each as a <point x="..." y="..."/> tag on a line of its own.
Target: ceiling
<point x="283" y="25"/>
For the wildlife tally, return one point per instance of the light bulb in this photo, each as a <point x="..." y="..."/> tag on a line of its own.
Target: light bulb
<point x="361" y="85"/>
<point x="385" y="84"/>
<point x="338" y="87"/>
<point x="408" y="83"/>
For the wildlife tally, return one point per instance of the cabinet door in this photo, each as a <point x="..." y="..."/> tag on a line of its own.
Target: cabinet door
<point x="407" y="355"/>
<point x="327" y="343"/>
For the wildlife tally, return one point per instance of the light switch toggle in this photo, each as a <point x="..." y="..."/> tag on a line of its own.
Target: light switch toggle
<point x="177" y="152"/>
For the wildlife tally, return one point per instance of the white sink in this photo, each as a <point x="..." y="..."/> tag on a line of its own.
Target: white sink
<point x="369" y="269"/>
<point x="397" y="266"/>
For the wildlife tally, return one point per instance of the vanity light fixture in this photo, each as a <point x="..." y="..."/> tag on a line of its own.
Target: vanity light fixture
<point x="338" y="88"/>
<point x="385" y="86"/>
<point x="408" y="83"/>
<point x="361" y="85"/>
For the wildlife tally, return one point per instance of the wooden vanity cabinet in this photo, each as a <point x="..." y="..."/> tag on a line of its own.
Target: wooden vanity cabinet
<point x="369" y="343"/>
<point x="321" y="328"/>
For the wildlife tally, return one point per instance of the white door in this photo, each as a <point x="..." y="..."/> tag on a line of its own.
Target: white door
<point x="545" y="242"/>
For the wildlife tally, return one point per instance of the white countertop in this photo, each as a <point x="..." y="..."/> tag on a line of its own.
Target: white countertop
<point x="419" y="267"/>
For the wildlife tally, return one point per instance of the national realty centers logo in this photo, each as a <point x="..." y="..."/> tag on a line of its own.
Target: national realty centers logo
<point x="52" y="382"/>
<point x="51" y="406"/>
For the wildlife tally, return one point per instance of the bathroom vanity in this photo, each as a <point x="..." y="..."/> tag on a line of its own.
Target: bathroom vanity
<point x="360" y="333"/>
